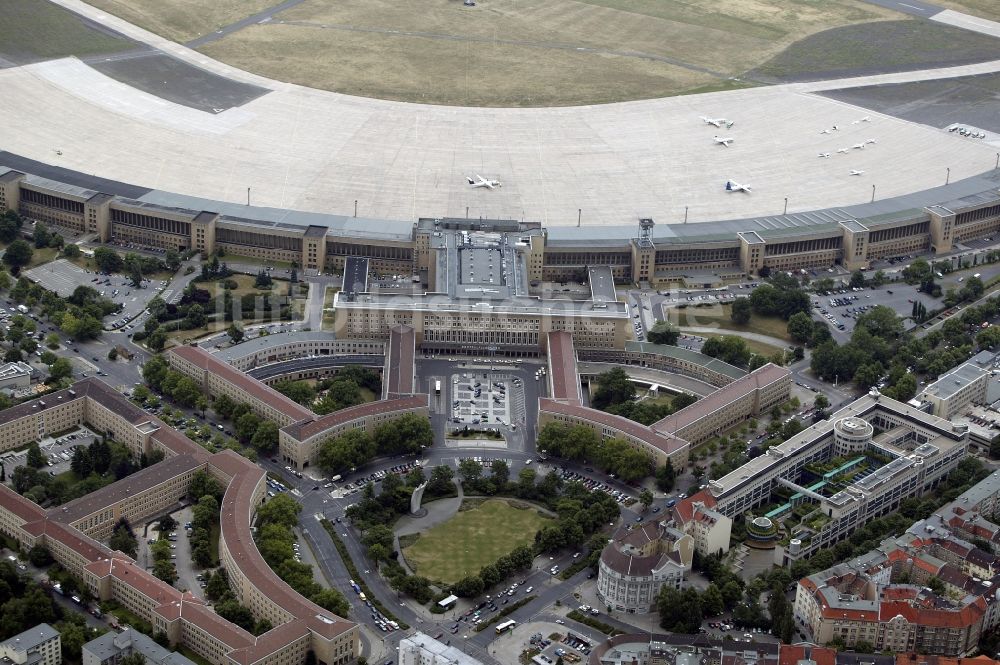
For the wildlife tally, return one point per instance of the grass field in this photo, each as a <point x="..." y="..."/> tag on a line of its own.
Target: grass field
<point x="720" y="317"/>
<point x="246" y="287"/>
<point x="33" y="30"/>
<point x="759" y="348"/>
<point x="182" y="20"/>
<point x="471" y="539"/>
<point x="513" y="53"/>
<point x="879" y="47"/>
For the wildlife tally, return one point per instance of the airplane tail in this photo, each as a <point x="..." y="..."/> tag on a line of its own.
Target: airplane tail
<point x="729" y="125"/>
<point x="729" y="185"/>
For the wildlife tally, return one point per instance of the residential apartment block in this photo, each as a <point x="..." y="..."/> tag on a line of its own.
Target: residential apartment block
<point x="40" y="645"/>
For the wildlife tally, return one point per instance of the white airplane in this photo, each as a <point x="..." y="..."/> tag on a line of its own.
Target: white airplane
<point x="855" y="172"/>
<point x="867" y="118"/>
<point x="826" y="131"/>
<point x="871" y="141"/>
<point x="824" y="155"/>
<point x="843" y="151"/>
<point x="859" y="146"/>
<point x="732" y="186"/>
<point x="718" y="122"/>
<point x="480" y="181"/>
<point x="724" y="140"/>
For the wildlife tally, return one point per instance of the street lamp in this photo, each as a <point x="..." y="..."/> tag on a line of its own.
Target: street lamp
<point x="947" y="177"/>
<point x="785" y="212"/>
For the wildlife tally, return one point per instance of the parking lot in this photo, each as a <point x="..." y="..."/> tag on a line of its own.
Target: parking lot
<point x="478" y="400"/>
<point x="844" y="306"/>
<point x="622" y="496"/>
<point x="58" y="451"/>
<point x="64" y="277"/>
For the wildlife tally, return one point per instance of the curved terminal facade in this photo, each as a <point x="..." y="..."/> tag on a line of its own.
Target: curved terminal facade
<point x="928" y="221"/>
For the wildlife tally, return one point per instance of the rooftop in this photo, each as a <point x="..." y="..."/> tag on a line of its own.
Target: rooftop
<point x="265" y="342"/>
<point x="949" y="384"/>
<point x="206" y="361"/>
<point x="724" y="396"/>
<point x="314" y="425"/>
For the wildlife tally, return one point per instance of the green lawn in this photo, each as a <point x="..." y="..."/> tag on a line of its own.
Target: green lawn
<point x="35" y="30"/>
<point x="473" y="538"/>
<point x="719" y="317"/>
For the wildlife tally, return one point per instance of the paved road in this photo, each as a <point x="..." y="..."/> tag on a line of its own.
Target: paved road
<point x="260" y="17"/>
<point x="910" y="7"/>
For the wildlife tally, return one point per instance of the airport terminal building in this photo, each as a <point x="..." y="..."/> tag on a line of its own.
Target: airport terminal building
<point x="929" y="221"/>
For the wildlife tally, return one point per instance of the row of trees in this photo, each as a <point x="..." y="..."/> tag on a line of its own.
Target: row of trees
<point x="275" y="520"/>
<point x="405" y="435"/>
<point x="579" y="443"/>
<point x="206" y="492"/>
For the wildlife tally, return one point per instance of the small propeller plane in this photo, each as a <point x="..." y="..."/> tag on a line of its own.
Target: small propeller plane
<point x="733" y="186"/>
<point x="724" y="140"/>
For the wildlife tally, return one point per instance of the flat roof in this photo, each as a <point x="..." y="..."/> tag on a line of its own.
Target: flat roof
<point x="955" y="380"/>
<point x="602" y="284"/>
<point x="265" y="342"/>
<point x="355" y="275"/>
<point x="686" y="355"/>
<point x="515" y="305"/>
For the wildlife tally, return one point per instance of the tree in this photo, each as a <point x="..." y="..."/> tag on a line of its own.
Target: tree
<point x="712" y="602"/>
<point x="282" y="509"/>
<point x="266" y="436"/>
<point x="35" y="458"/>
<point x="741" y="311"/>
<point x="71" y="251"/>
<point x="41" y="236"/>
<point x="123" y="539"/>
<point x="614" y="387"/>
<point x="821" y="402"/>
<point x="164" y="570"/>
<point x="202" y="484"/>
<point x="80" y="462"/>
<point x="195" y="317"/>
<point x="800" y="327"/>
<point x="857" y="279"/>
<point x="217" y="585"/>
<point x="235" y="332"/>
<point x="441" y="481"/>
<point x="645" y="498"/>
<point x="499" y="473"/>
<point x="172" y="259"/>
<point x="297" y="391"/>
<point x="108" y="260"/>
<point x="134" y="658"/>
<point x="40" y="557"/>
<point x="663" y="333"/>
<point x="666" y="476"/>
<point x="332" y="600"/>
<point x="18" y="254"/>
<point x="470" y="470"/>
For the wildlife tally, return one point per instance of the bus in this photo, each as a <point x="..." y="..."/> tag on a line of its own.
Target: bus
<point x="437" y="387"/>
<point x="505" y="626"/>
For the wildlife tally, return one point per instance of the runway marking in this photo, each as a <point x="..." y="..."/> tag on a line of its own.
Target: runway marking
<point x="903" y="4"/>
